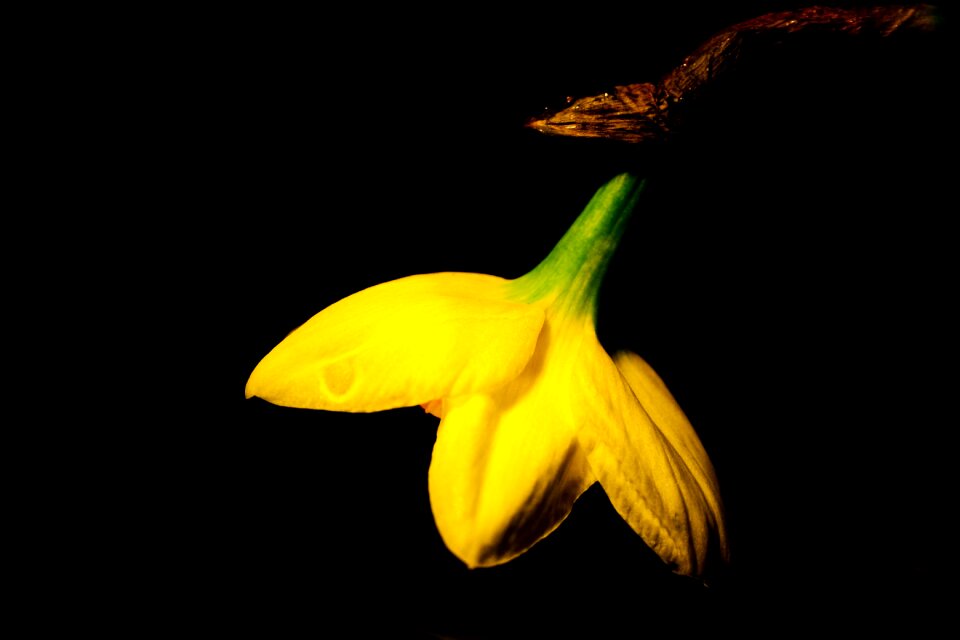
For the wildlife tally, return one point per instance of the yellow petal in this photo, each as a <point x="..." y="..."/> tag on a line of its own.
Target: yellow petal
<point x="651" y="464"/>
<point x="401" y="343"/>
<point x="506" y="466"/>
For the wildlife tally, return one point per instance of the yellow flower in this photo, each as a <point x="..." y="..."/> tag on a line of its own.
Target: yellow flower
<point x="533" y="410"/>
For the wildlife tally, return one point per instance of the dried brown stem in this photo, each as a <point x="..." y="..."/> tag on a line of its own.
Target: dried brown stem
<point x="647" y="112"/>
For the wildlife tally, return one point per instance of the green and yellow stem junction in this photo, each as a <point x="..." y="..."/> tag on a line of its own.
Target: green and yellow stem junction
<point x="573" y="271"/>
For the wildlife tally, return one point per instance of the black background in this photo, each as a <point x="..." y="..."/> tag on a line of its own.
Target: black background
<point x="787" y="272"/>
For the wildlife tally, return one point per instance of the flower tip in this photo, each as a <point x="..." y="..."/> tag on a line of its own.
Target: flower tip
<point x="479" y="556"/>
<point x="259" y="383"/>
<point x="254" y="386"/>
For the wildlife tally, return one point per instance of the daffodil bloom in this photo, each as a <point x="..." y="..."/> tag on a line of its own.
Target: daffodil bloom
<point x="533" y="410"/>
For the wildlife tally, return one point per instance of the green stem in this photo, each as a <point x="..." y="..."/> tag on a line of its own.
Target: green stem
<point x="574" y="269"/>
